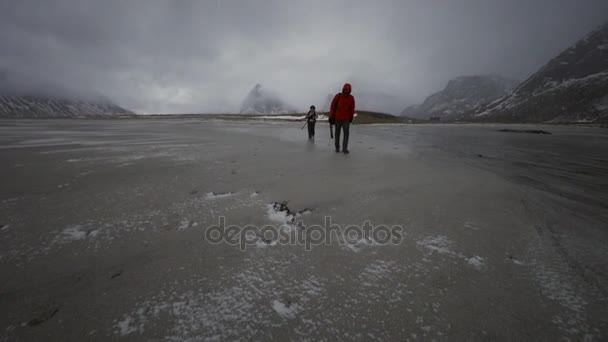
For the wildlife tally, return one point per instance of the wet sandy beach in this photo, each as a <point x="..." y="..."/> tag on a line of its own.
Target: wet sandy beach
<point x="102" y="232"/>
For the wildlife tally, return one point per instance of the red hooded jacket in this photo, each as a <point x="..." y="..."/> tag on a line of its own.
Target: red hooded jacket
<point x="343" y="105"/>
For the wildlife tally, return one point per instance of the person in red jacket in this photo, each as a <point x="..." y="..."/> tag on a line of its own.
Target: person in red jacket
<point x="341" y="112"/>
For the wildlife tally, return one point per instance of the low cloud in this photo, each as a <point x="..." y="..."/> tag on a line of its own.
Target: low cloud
<point x="205" y="56"/>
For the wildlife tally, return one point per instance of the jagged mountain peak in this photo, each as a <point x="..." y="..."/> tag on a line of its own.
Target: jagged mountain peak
<point x="260" y="100"/>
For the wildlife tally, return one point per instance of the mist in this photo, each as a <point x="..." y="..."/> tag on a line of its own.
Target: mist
<point x="205" y="56"/>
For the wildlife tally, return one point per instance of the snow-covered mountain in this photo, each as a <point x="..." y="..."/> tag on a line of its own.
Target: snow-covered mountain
<point x="572" y="87"/>
<point x="263" y="101"/>
<point x="462" y="95"/>
<point x="39" y="106"/>
<point x="24" y="96"/>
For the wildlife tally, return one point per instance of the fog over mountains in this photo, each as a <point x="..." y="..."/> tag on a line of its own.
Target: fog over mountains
<point x="46" y="72"/>
<point x="461" y="95"/>
<point x="264" y="101"/>
<point x="20" y="99"/>
<point x="32" y="107"/>
<point x="572" y="87"/>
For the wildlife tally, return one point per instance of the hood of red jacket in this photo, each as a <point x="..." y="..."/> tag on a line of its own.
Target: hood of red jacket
<point x="346" y="87"/>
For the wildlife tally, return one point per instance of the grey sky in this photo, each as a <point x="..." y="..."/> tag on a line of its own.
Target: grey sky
<point x="205" y="56"/>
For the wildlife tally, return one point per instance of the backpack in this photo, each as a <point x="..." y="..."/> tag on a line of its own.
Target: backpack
<point x="333" y="120"/>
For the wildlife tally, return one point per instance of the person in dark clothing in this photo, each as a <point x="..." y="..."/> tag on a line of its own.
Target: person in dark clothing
<point x="311" y="118"/>
<point x="342" y="112"/>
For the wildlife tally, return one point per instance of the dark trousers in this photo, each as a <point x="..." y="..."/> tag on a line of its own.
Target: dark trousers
<point x="311" y="130"/>
<point x="345" y="125"/>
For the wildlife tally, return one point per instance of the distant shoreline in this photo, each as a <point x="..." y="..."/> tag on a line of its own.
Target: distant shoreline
<point x="362" y="118"/>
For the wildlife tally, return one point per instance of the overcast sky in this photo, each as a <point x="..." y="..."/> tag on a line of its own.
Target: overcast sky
<point x="205" y="56"/>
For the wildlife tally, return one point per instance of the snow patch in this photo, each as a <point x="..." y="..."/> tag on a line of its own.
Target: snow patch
<point x="441" y="244"/>
<point x="281" y="117"/>
<point x="78" y="233"/>
<point x="471" y="225"/>
<point x="280" y="212"/>
<point x="282" y="217"/>
<point x="517" y="262"/>
<point x="263" y="244"/>
<point x="287" y="311"/>
<point x="437" y="244"/>
<point x="185" y="224"/>
<point x="476" y="261"/>
<point x="213" y="195"/>
<point x="223" y="313"/>
<point x="376" y="272"/>
<point x="360" y="245"/>
<point x="126" y="327"/>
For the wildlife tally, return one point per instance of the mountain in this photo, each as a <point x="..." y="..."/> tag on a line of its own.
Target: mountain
<point x="572" y="87"/>
<point x="262" y="101"/>
<point x="20" y="97"/>
<point x="462" y="95"/>
<point x="40" y="106"/>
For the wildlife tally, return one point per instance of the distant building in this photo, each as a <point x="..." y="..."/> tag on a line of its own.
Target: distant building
<point x="435" y="119"/>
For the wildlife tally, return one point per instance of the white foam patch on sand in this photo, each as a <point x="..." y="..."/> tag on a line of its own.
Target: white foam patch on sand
<point x="556" y="287"/>
<point x="312" y="286"/>
<point x="285" y="217"/>
<point x="560" y="287"/>
<point x="279" y="216"/>
<point x="471" y="225"/>
<point x="352" y="247"/>
<point x="376" y="272"/>
<point x="476" y="261"/>
<point x="95" y="235"/>
<point x="78" y="233"/>
<point x="380" y="289"/>
<point x="517" y="262"/>
<point x="213" y="195"/>
<point x="440" y="244"/>
<point x="287" y="311"/>
<point x="231" y="309"/>
<point x="185" y="224"/>
<point x="262" y="244"/>
<point x="180" y="216"/>
<point x="14" y="199"/>
<point x="360" y="245"/>
<point x="126" y="326"/>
